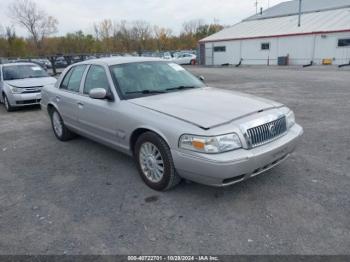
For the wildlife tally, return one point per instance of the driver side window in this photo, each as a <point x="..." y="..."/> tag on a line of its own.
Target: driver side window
<point x="96" y="78"/>
<point x="72" y="80"/>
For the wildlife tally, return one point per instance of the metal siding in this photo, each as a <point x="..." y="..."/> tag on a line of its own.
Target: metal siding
<point x="231" y="56"/>
<point x="252" y="53"/>
<point x="342" y="54"/>
<point x="209" y="53"/>
<point x="299" y="48"/>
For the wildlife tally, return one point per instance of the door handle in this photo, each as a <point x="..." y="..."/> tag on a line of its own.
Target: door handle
<point x="80" y="105"/>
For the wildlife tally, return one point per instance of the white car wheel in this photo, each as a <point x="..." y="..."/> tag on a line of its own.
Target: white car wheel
<point x="57" y="124"/>
<point x="155" y="162"/>
<point x="59" y="128"/>
<point x="7" y="105"/>
<point x="151" y="162"/>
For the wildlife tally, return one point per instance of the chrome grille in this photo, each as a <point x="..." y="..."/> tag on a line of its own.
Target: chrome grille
<point x="267" y="132"/>
<point x="33" y="89"/>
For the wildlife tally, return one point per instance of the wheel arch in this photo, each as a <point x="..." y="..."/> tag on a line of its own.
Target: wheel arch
<point x="51" y="107"/>
<point x="4" y="92"/>
<point x="141" y="130"/>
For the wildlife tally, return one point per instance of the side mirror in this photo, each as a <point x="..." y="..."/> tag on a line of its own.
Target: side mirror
<point x="201" y="78"/>
<point x="98" y="93"/>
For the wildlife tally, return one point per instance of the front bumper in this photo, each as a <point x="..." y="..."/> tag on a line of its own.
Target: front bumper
<point x="235" y="166"/>
<point x="18" y="100"/>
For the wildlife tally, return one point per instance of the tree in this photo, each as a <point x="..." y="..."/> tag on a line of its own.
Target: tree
<point x="207" y="30"/>
<point x="162" y="36"/>
<point x="104" y="31"/>
<point x="122" y="34"/>
<point x="10" y="44"/>
<point x="141" y="32"/>
<point x="191" y="27"/>
<point x="39" y="25"/>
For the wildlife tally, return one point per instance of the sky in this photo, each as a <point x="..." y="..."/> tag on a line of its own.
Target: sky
<point x="74" y="15"/>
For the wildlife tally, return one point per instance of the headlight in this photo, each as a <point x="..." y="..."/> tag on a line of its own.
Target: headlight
<point x="210" y="145"/>
<point x="290" y="117"/>
<point x="15" y="90"/>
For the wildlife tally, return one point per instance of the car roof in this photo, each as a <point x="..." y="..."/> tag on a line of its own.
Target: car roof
<point x="20" y="63"/>
<point x="109" y="61"/>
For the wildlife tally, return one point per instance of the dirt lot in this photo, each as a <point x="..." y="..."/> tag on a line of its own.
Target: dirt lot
<point x="83" y="198"/>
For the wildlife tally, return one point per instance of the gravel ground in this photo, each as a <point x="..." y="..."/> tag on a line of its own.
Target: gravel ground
<point x="83" y="198"/>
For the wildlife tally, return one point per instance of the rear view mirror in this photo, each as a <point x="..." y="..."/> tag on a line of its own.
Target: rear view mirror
<point x="201" y="78"/>
<point x="98" y="93"/>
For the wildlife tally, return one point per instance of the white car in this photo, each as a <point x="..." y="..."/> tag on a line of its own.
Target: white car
<point x="21" y="83"/>
<point x="184" y="59"/>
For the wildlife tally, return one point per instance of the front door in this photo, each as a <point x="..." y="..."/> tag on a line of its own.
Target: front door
<point x="97" y="117"/>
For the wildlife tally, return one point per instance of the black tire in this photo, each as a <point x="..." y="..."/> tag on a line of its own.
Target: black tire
<point x="192" y="62"/>
<point x="169" y="177"/>
<point x="65" y="134"/>
<point x="7" y="105"/>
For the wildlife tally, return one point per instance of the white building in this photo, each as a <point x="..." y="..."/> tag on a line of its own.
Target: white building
<point x="324" y="34"/>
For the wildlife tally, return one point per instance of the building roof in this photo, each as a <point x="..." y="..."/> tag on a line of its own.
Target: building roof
<point x="292" y="8"/>
<point x="336" y="20"/>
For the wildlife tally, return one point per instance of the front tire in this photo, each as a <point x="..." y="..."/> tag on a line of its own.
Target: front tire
<point x="60" y="130"/>
<point x="7" y="105"/>
<point x="155" y="163"/>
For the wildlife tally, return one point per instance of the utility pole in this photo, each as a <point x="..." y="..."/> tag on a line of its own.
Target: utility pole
<point x="256" y="7"/>
<point x="299" y="19"/>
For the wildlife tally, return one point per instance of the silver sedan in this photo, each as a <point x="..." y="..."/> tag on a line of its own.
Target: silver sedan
<point x="21" y="83"/>
<point x="170" y="121"/>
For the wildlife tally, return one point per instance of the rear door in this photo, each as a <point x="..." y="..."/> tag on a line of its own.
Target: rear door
<point x="68" y="99"/>
<point x="98" y="117"/>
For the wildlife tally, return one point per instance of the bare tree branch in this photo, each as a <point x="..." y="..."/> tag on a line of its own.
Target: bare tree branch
<point x="39" y="25"/>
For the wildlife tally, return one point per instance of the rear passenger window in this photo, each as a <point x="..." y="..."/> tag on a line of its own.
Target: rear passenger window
<point x="72" y="80"/>
<point x="96" y="78"/>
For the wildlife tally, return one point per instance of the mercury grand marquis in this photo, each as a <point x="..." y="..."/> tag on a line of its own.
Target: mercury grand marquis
<point x="171" y="122"/>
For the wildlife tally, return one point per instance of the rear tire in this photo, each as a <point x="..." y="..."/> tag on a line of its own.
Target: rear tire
<point x="7" y="105"/>
<point x="59" y="129"/>
<point x="155" y="163"/>
<point x="193" y="62"/>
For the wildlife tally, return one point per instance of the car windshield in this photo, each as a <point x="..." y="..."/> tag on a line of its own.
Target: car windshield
<point x="150" y="78"/>
<point x="23" y="71"/>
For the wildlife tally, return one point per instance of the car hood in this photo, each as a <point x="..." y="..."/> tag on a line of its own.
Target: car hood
<point x="206" y="107"/>
<point x="31" y="82"/>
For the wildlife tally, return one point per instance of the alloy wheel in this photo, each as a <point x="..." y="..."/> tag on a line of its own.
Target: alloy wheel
<point x="57" y="124"/>
<point x="151" y="161"/>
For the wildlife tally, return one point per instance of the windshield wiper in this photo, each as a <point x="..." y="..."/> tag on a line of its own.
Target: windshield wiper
<point x="36" y="76"/>
<point x="180" y="88"/>
<point x="145" y="92"/>
<point x="13" y="78"/>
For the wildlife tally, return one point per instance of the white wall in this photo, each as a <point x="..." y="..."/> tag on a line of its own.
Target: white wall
<point x="327" y="47"/>
<point x="301" y="50"/>
<point x="232" y="54"/>
<point x="252" y="53"/>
